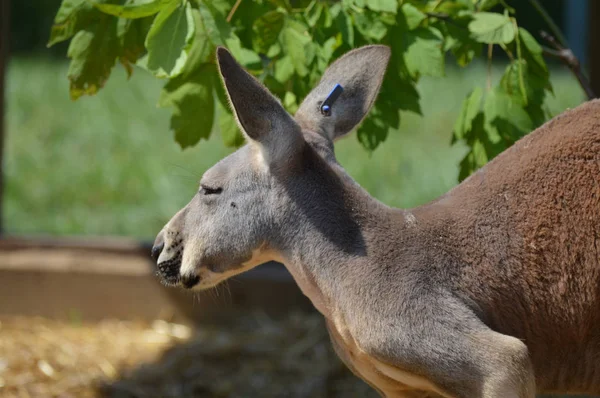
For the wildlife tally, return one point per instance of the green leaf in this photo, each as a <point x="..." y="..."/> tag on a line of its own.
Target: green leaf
<point x="373" y="131"/>
<point x="244" y="56"/>
<point x="492" y="28"/>
<point x="220" y="34"/>
<point x="383" y="5"/>
<point x="369" y="24"/>
<point x="459" y="41"/>
<point x="217" y="29"/>
<point x="532" y="52"/>
<point x="313" y="12"/>
<point x="413" y="16"/>
<point x="132" y="35"/>
<point x="228" y="127"/>
<point x="487" y="4"/>
<point x="285" y="4"/>
<point x="423" y="53"/>
<point x="534" y="85"/>
<point x="482" y="148"/>
<point x="194" y="105"/>
<point x="201" y="49"/>
<point x="169" y="39"/>
<point x="230" y="132"/>
<point x="223" y="7"/>
<point x="266" y="30"/>
<point x="72" y="16"/>
<point x="473" y="160"/>
<point x="295" y="44"/>
<point x="93" y="52"/>
<point x="470" y="108"/>
<point x="326" y="51"/>
<point x="135" y="8"/>
<point x="284" y="69"/>
<point x="505" y="118"/>
<point x="290" y="102"/>
<point x="346" y="27"/>
<point x="406" y="96"/>
<point x="451" y="7"/>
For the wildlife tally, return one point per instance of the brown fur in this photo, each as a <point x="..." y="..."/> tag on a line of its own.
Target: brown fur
<point x="526" y="229"/>
<point x="491" y="291"/>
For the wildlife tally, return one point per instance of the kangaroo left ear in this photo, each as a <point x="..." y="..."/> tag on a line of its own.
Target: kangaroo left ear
<point x="259" y="114"/>
<point x="360" y="73"/>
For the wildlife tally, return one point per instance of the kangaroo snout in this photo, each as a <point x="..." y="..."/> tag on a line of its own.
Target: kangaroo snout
<point x="157" y="248"/>
<point x="167" y="251"/>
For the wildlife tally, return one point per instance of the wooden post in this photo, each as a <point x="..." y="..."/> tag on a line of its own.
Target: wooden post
<point x="4" y="32"/>
<point x="594" y="45"/>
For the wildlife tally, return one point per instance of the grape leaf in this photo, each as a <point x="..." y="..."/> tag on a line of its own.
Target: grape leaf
<point x="201" y="49"/>
<point x="532" y="53"/>
<point x="221" y="34"/>
<point x="290" y="102"/>
<point x="313" y="12"/>
<point x="407" y="96"/>
<point x="492" y="28"/>
<point x="485" y="5"/>
<point x="383" y="5"/>
<point x="284" y="69"/>
<point x="193" y="103"/>
<point x="71" y="17"/>
<point x="505" y="118"/>
<point x="169" y="39"/>
<point x="451" y="7"/>
<point x="266" y="30"/>
<point x="295" y="43"/>
<point x="93" y="53"/>
<point x="459" y="41"/>
<point x="346" y="27"/>
<point x="423" y="54"/>
<point x="413" y="16"/>
<point x="373" y="131"/>
<point x="482" y="148"/>
<point x="470" y="108"/>
<point x="228" y="127"/>
<point x="135" y="8"/>
<point x="369" y="24"/>
<point x="132" y="35"/>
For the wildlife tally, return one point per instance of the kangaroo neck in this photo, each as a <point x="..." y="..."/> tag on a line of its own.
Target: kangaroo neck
<point x="332" y="240"/>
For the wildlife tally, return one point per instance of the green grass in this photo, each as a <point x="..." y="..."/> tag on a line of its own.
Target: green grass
<point x="107" y="165"/>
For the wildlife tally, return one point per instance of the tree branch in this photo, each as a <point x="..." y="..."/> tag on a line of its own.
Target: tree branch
<point x="546" y="17"/>
<point x="569" y="59"/>
<point x="233" y="10"/>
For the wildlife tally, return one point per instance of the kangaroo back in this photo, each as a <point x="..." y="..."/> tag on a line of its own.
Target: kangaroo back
<point x="526" y="229"/>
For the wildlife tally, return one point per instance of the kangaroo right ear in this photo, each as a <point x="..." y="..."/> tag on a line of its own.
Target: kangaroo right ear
<point x="360" y="73"/>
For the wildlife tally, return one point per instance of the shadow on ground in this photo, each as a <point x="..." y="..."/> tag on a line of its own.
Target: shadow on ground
<point x="251" y="356"/>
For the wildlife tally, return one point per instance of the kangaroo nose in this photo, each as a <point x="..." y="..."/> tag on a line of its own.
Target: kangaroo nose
<point x="156" y="250"/>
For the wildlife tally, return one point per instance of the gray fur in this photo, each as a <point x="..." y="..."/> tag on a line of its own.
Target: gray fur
<point x="360" y="73"/>
<point x="467" y="296"/>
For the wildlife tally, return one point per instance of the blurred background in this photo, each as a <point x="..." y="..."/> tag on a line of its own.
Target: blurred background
<point x="87" y="184"/>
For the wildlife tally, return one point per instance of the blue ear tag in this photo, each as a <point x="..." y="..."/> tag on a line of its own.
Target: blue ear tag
<point x="331" y="98"/>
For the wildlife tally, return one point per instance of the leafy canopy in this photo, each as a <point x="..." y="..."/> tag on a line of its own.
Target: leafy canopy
<point x="287" y="44"/>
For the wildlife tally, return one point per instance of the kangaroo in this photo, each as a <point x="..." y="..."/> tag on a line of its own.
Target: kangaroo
<point x="492" y="290"/>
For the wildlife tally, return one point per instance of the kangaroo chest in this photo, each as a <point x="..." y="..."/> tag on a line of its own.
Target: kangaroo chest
<point x="388" y="380"/>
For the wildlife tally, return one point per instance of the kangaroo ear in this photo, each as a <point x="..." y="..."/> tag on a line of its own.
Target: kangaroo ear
<point x="360" y="73"/>
<point x="259" y="114"/>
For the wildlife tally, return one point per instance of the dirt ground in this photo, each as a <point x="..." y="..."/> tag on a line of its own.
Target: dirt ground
<point x="250" y="355"/>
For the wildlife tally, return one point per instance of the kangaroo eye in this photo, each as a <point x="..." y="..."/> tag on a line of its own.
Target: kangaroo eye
<point x="210" y="191"/>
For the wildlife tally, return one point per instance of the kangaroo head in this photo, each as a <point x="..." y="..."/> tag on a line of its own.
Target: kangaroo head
<point x="251" y="204"/>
